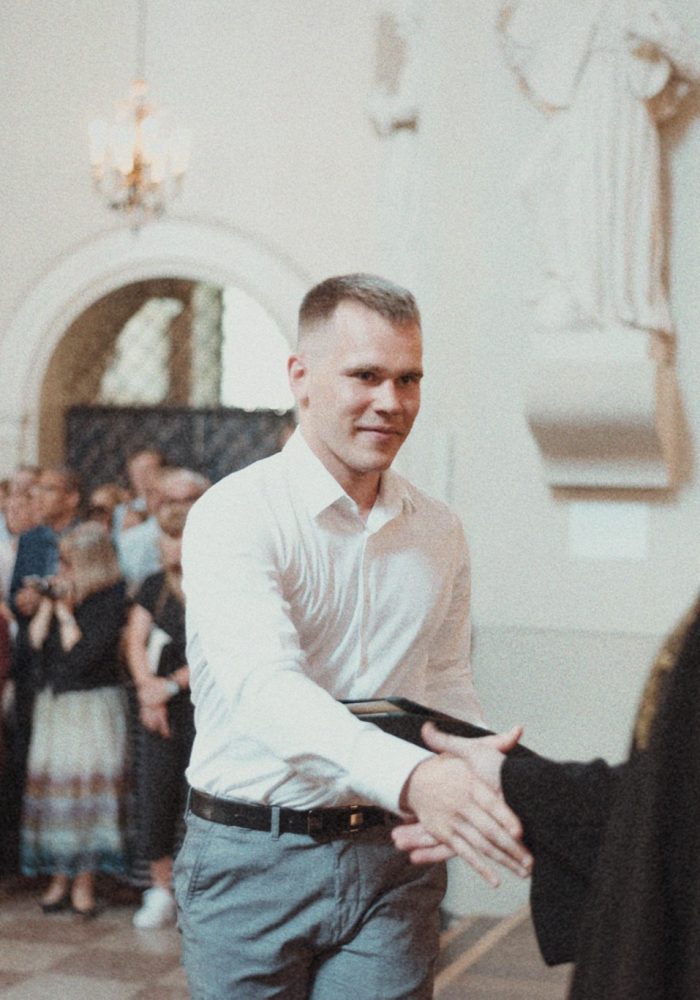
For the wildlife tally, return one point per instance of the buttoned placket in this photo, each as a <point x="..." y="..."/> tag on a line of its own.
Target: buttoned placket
<point x="367" y="537"/>
<point x="370" y="532"/>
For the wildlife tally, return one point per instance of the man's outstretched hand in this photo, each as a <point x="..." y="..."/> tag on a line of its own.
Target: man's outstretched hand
<point x="458" y="803"/>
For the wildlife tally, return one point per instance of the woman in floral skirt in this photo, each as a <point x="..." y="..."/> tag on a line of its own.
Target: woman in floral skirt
<point x="73" y="806"/>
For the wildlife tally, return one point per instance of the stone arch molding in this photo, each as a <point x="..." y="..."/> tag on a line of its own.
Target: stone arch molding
<point x="170" y="248"/>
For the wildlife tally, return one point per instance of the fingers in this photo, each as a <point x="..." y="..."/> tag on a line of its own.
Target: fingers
<point x="506" y="741"/>
<point x="465" y="814"/>
<point x="431" y="855"/>
<point x="479" y="833"/>
<point x="425" y="849"/>
<point x="438" y="741"/>
<point x="461" y="746"/>
<point x="411" y="836"/>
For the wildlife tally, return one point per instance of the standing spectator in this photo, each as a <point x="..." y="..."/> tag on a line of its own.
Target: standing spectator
<point x="103" y="502"/>
<point x="155" y="649"/>
<point x="4" y="497"/>
<point x="72" y="811"/>
<point x="55" y="498"/>
<point x="142" y="468"/>
<point x="19" y="518"/>
<point x="24" y="478"/>
<point x="139" y="552"/>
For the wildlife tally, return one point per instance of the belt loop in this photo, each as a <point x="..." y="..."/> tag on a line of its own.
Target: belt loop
<point x="275" y="823"/>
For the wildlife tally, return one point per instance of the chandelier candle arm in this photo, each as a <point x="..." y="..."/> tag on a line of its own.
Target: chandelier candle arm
<point x="139" y="161"/>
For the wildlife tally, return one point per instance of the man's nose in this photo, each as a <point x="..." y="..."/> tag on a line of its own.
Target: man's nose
<point x="387" y="397"/>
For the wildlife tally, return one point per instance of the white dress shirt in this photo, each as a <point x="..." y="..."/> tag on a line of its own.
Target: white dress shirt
<point x="292" y="601"/>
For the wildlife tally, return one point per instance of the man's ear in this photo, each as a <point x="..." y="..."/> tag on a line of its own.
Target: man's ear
<point x="297" y="372"/>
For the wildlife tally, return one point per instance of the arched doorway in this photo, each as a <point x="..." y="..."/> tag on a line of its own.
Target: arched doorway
<point x="170" y="249"/>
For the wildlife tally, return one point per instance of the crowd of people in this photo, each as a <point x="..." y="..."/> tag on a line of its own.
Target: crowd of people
<point x="96" y="723"/>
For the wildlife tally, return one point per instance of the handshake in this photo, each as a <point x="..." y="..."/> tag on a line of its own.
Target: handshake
<point x="457" y="805"/>
<point x="453" y="803"/>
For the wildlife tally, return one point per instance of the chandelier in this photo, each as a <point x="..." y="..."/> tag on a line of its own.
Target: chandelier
<point x="138" y="162"/>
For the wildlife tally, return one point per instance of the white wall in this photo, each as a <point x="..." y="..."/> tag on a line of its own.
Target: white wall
<point x="275" y="91"/>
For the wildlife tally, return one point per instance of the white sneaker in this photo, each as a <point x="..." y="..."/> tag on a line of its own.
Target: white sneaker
<point x="158" y="909"/>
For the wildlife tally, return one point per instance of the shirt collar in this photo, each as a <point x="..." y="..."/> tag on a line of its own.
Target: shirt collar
<point x="317" y="487"/>
<point x="320" y="490"/>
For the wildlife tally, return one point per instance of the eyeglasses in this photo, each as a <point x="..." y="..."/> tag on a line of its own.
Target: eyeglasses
<point x="181" y="500"/>
<point x="45" y="488"/>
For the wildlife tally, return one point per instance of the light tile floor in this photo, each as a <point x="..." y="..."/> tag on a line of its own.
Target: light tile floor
<point x="62" y="957"/>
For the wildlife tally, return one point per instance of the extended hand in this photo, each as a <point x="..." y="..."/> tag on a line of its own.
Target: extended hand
<point x="458" y="801"/>
<point x="27" y="600"/>
<point x="153" y="692"/>
<point x="156" y="720"/>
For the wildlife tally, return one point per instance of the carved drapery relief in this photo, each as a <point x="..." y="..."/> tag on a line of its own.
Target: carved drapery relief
<point x="393" y="107"/>
<point x="605" y="73"/>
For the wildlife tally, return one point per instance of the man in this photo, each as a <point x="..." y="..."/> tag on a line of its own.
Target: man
<point x="315" y="575"/>
<point x="139" y="547"/>
<point x="56" y="496"/>
<point x="142" y="468"/>
<point x="155" y="654"/>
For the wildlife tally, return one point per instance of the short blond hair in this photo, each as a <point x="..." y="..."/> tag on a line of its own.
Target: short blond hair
<point x="394" y="303"/>
<point x="93" y="559"/>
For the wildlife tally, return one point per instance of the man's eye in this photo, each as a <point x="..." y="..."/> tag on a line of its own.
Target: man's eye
<point x="365" y="376"/>
<point x="412" y="379"/>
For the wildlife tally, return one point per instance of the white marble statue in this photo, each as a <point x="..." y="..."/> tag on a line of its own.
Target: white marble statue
<point x="394" y="109"/>
<point x="605" y="72"/>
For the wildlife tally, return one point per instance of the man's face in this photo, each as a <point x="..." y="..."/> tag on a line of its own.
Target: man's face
<point x="20" y="513"/>
<point x="22" y="481"/>
<point x="357" y="385"/>
<point x="176" y="495"/>
<point x="143" y="469"/>
<point x="54" y="504"/>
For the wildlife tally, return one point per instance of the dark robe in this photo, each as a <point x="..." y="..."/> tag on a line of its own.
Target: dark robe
<point x="640" y="933"/>
<point x="616" y="882"/>
<point x="616" y="885"/>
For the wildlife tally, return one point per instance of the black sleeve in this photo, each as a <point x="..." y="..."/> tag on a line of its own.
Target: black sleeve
<point x="94" y="658"/>
<point x="149" y="592"/>
<point x="564" y="809"/>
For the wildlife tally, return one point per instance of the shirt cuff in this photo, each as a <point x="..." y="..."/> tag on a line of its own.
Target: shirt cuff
<point x="383" y="765"/>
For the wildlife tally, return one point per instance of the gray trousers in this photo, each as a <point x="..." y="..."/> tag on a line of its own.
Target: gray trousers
<point x="297" y="918"/>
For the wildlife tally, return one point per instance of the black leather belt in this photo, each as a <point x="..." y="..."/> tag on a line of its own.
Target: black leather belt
<point x="313" y="823"/>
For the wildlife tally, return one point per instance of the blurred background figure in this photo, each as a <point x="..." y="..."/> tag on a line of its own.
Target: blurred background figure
<point x="102" y="503"/>
<point x="19" y="518"/>
<point x="23" y="478"/>
<point x="138" y="548"/>
<point x="142" y="468"/>
<point x="73" y="803"/>
<point x="4" y="495"/>
<point x="53" y="501"/>
<point x="155" y="648"/>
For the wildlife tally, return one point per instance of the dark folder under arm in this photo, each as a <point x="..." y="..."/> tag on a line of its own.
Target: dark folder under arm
<point x="404" y="718"/>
